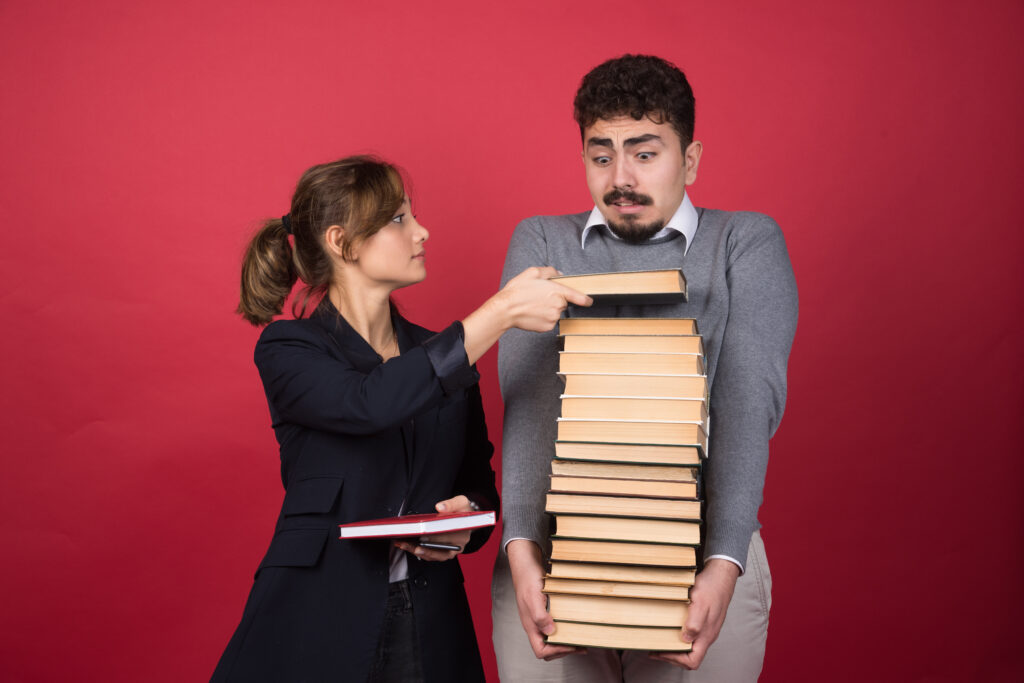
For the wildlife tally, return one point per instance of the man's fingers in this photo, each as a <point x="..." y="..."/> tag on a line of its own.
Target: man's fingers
<point x="538" y="610"/>
<point x="695" y="621"/>
<point x="542" y="650"/>
<point x="687" y="660"/>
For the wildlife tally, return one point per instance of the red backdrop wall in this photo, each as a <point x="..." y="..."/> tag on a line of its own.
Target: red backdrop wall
<point x="141" y="143"/>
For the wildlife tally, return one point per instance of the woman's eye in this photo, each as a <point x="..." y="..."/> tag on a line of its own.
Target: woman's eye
<point x="399" y="218"/>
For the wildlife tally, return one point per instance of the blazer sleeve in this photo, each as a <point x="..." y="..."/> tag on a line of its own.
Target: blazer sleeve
<point x="476" y="477"/>
<point x="308" y="385"/>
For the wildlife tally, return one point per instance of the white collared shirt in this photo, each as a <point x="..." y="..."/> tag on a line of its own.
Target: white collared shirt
<point x="683" y="221"/>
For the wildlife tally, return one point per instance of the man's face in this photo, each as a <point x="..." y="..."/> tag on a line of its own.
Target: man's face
<point x="637" y="173"/>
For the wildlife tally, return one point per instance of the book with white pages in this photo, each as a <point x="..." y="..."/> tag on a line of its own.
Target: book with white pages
<point x="417" y="525"/>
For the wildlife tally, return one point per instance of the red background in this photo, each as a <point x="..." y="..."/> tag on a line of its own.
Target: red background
<point x="142" y="143"/>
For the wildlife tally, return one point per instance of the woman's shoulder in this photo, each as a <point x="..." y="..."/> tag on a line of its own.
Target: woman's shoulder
<point x="302" y="328"/>
<point x="285" y="337"/>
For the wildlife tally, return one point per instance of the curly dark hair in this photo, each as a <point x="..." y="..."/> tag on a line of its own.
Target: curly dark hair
<point x="637" y="86"/>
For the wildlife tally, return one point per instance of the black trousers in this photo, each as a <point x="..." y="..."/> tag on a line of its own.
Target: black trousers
<point x="398" y="653"/>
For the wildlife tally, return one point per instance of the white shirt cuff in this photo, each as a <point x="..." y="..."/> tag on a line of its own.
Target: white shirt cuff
<point x="725" y="557"/>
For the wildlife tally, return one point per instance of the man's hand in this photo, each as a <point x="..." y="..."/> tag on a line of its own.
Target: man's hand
<point x="709" y="601"/>
<point x="527" y="567"/>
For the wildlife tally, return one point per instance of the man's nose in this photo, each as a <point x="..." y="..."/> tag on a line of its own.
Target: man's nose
<point x="623" y="176"/>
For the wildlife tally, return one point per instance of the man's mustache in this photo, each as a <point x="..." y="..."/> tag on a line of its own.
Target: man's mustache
<point x="629" y="196"/>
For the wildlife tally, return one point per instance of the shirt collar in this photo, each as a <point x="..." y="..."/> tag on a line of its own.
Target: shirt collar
<point x="683" y="221"/>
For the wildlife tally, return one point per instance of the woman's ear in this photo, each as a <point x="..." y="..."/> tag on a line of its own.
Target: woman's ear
<point x="334" y="242"/>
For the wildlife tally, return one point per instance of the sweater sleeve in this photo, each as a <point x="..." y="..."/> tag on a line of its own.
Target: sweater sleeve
<point x="527" y="367"/>
<point x="309" y="386"/>
<point x="749" y="390"/>
<point x="476" y="478"/>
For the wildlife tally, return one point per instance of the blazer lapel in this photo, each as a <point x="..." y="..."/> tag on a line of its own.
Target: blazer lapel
<point x="350" y="343"/>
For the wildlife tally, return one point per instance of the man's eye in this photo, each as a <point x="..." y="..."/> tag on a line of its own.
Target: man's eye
<point x="602" y="161"/>
<point x="645" y="156"/>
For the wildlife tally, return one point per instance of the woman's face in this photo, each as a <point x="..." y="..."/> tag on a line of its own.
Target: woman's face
<point x="394" y="255"/>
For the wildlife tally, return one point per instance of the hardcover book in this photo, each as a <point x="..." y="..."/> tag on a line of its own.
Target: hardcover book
<point x="417" y="525"/>
<point x="630" y="287"/>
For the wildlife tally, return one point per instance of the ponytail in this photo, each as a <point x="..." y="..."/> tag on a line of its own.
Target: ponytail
<point x="268" y="274"/>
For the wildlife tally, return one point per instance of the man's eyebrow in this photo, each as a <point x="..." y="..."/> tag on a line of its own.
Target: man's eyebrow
<point x="640" y="139"/>
<point x="629" y="142"/>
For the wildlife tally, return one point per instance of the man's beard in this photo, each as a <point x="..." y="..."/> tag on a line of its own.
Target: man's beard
<point x="629" y="230"/>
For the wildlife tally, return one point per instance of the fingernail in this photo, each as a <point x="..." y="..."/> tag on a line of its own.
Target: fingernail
<point x="441" y="507"/>
<point x="548" y="630"/>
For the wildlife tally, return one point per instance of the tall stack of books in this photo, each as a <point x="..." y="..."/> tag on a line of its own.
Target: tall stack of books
<point x="625" y="481"/>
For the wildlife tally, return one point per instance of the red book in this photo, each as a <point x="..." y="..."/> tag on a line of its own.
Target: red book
<point x="417" y="525"/>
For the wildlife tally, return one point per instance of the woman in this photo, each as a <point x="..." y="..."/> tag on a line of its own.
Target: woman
<point x="375" y="417"/>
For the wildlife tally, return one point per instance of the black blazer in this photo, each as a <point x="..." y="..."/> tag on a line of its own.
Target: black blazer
<point x="358" y="437"/>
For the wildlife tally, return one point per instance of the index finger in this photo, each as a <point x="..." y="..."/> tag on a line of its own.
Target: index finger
<point x="573" y="296"/>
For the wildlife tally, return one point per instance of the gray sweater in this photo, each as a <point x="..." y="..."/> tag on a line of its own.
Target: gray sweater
<point x="742" y="293"/>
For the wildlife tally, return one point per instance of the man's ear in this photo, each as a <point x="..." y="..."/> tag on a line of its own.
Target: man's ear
<point x="334" y="242"/>
<point x="691" y="158"/>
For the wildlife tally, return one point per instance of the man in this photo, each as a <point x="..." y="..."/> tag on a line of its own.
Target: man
<point x="636" y="117"/>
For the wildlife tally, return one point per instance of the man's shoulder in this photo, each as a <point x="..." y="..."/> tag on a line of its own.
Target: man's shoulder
<point x="543" y="239"/>
<point x="740" y="225"/>
<point x="757" y="221"/>
<point x="554" y="224"/>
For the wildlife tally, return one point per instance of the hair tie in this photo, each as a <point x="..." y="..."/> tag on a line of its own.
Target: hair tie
<point x="286" y="221"/>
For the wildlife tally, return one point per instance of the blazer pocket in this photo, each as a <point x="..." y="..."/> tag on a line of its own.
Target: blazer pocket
<point x="296" y="548"/>
<point x="311" y="496"/>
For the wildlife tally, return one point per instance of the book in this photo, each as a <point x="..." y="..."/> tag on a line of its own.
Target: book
<point x="627" y="326"/>
<point x="603" y="408"/>
<point x="618" y="589"/>
<point x="653" y="488"/>
<point x="627" y="529"/>
<point x="623" y="506"/>
<point x="666" y="576"/>
<point x="643" y="386"/>
<point x="417" y="525"/>
<point x="618" y="552"/>
<point x="632" y="363"/>
<point x="618" y="637"/>
<point x="630" y="452"/>
<point x="614" y="470"/>
<point x="629" y="287"/>
<point x="662" y="343"/>
<point x="599" y="609"/>
<point x="628" y="431"/>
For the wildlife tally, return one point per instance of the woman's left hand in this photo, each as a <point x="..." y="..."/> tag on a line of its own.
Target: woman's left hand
<point x="459" y="538"/>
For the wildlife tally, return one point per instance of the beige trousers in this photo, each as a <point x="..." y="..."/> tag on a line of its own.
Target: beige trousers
<point x="736" y="657"/>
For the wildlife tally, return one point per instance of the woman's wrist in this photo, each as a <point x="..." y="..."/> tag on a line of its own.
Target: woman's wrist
<point x="483" y="327"/>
